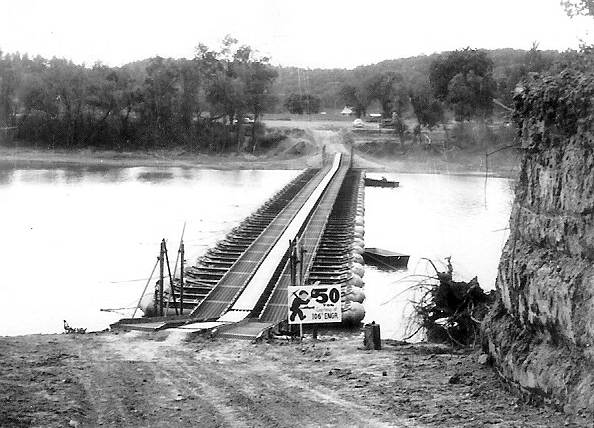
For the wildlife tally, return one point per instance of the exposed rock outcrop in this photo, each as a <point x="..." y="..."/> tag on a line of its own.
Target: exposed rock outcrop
<point x="541" y="331"/>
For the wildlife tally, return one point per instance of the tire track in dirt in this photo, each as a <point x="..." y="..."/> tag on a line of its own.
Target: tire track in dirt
<point x="292" y="402"/>
<point x="211" y="399"/>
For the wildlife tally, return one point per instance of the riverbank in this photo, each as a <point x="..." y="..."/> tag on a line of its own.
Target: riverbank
<point x="143" y="379"/>
<point x="414" y="162"/>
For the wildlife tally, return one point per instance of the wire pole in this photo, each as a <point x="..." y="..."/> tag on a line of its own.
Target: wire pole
<point x="181" y="278"/>
<point x="145" y="287"/>
<point x="161" y="275"/>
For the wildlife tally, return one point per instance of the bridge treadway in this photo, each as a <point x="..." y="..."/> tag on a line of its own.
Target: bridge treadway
<point x="276" y="308"/>
<point x="233" y="283"/>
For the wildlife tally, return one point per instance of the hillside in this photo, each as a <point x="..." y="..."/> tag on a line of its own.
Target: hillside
<point x="326" y="83"/>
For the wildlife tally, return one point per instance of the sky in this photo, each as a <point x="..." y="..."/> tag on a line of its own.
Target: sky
<point x="304" y="33"/>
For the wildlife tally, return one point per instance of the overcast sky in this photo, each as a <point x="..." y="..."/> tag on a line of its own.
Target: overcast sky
<point x="305" y="33"/>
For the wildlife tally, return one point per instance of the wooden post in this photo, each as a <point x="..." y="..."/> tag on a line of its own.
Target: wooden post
<point x="301" y="253"/>
<point x="292" y="262"/>
<point x="161" y="275"/>
<point x="181" y="280"/>
<point x="372" y="337"/>
<point x="171" y="290"/>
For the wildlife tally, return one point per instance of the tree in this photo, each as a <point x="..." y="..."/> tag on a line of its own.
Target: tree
<point x="293" y="104"/>
<point x="356" y="96"/>
<point x="160" y="91"/>
<point x="9" y="82"/>
<point x="300" y="104"/>
<point x="391" y="92"/>
<point x="533" y="61"/>
<point x="464" y="80"/>
<point x="470" y="96"/>
<point x="427" y="108"/>
<point x="578" y="7"/>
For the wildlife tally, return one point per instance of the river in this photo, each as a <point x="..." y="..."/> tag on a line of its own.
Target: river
<point x="79" y="239"/>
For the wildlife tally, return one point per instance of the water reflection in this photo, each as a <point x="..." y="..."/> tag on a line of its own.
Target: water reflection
<point x="155" y="176"/>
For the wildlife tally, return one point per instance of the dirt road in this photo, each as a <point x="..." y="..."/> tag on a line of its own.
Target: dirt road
<point x="141" y="379"/>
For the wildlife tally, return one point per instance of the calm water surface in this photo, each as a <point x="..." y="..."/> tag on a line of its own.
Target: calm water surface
<point x="432" y="216"/>
<point x="78" y="239"/>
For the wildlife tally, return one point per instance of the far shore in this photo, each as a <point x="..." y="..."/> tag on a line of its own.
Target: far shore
<point x="26" y="157"/>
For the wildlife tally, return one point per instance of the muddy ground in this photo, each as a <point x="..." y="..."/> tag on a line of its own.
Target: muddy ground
<point x="148" y="379"/>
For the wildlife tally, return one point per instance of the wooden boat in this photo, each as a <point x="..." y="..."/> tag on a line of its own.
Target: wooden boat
<point x="380" y="182"/>
<point x="385" y="258"/>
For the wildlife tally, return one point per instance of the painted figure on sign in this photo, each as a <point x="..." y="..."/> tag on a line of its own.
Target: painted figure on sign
<point x="302" y="298"/>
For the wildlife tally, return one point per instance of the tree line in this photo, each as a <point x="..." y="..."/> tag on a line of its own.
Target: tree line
<point x="199" y="103"/>
<point x="202" y="103"/>
<point x="462" y="82"/>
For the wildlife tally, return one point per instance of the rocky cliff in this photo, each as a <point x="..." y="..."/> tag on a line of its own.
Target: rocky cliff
<point x="541" y="331"/>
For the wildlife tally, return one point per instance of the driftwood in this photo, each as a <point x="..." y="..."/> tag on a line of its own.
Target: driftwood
<point x="71" y="330"/>
<point x="451" y="311"/>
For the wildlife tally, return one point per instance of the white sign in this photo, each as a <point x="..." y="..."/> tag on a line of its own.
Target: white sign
<point x="314" y="304"/>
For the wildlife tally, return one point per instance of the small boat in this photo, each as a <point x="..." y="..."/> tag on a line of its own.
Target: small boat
<point x="385" y="258"/>
<point x="381" y="182"/>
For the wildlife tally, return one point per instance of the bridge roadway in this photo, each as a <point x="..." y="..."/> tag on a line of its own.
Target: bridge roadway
<point x="243" y="288"/>
<point x="275" y="308"/>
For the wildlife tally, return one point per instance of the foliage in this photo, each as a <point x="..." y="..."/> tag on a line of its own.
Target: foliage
<point x="464" y="80"/>
<point x="578" y="7"/>
<point x="300" y="104"/>
<point x="561" y="101"/>
<point x="390" y="90"/>
<point x="199" y="103"/>
<point x="535" y="61"/>
<point x="356" y="95"/>
<point x="427" y="109"/>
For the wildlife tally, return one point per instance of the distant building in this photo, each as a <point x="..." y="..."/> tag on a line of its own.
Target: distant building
<point x="346" y="111"/>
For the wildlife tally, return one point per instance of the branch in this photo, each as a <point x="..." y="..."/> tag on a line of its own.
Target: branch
<point x="503" y="106"/>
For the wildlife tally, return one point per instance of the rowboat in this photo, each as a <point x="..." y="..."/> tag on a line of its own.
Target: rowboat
<point x="382" y="182"/>
<point x="385" y="258"/>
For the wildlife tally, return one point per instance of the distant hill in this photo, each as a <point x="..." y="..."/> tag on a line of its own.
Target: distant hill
<point x="326" y="83"/>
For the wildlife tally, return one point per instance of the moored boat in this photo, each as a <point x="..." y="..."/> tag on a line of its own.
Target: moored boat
<point x="385" y="258"/>
<point x="380" y="182"/>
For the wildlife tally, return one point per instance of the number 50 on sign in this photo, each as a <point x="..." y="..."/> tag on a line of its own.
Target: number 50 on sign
<point x="314" y="304"/>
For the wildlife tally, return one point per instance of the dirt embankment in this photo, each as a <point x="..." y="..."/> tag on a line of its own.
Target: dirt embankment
<point x="142" y="379"/>
<point x="301" y="149"/>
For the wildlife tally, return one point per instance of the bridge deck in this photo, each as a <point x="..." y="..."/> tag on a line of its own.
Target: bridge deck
<point x="229" y="288"/>
<point x="276" y="307"/>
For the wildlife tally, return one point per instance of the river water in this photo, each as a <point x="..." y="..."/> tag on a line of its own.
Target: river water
<point x="432" y="216"/>
<point x="79" y="239"/>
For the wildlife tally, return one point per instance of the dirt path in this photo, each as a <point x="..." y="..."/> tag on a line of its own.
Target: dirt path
<point x="141" y="379"/>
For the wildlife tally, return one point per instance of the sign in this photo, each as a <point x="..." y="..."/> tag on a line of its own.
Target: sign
<point x="314" y="304"/>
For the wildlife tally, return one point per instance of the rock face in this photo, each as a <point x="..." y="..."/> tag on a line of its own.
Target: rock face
<point x="540" y="333"/>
